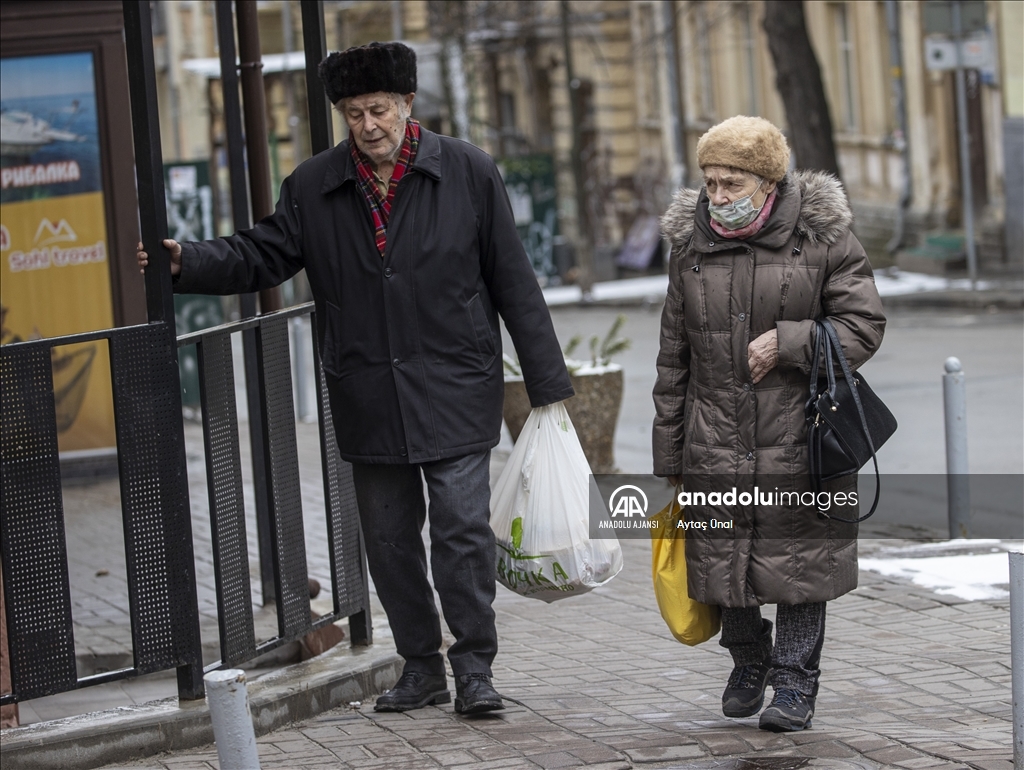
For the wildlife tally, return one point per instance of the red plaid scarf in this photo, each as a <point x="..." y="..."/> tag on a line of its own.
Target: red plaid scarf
<point x="380" y="205"/>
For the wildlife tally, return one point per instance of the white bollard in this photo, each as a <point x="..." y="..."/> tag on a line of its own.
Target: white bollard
<point x="954" y="394"/>
<point x="232" y="722"/>
<point x="1017" y="655"/>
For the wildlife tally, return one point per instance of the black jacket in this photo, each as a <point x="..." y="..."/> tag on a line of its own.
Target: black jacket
<point x="411" y="344"/>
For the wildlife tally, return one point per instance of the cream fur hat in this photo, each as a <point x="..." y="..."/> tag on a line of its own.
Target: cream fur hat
<point x="749" y="144"/>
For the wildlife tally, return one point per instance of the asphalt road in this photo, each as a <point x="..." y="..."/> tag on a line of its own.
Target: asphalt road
<point x="906" y="373"/>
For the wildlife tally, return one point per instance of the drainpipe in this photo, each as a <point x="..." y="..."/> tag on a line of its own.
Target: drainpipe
<point x="173" y="87"/>
<point x="255" y="110"/>
<point x="584" y="254"/>
<point x="898" y="92"/>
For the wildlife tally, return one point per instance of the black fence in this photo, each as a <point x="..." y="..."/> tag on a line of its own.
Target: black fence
<point x="155" y="507"/>
<point x="283" y="523"/>
<point x="159" y="555"/>
<point x="154" y="502"/>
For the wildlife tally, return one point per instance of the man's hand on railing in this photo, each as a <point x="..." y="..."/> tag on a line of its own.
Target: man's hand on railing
<point x="172" y="246"/>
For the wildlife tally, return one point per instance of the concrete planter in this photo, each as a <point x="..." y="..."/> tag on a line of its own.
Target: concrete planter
<point x="594" y="412"/>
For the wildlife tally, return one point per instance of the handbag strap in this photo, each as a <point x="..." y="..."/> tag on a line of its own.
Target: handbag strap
<point x="822" y="353"/>
<point x="815" y="366"/>
<point x="824" y="325"/>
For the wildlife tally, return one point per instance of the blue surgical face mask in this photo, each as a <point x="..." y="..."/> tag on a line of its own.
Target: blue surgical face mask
<point x="737" y="214"/>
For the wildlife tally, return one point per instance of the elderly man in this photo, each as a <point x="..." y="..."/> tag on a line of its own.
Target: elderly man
<point x="411" y="251"/>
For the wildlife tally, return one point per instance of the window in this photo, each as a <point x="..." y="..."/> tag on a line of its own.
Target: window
<point x="890" y="100"/>
<point x="750" y="55"/>
<point x="847" y="64"/>
<point x="645" y="56"/>
<point x="707" y="88"/>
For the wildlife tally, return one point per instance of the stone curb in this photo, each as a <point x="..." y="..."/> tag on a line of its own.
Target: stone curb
<point x="299" y="691"/>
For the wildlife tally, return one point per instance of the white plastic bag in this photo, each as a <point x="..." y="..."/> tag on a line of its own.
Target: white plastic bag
<point x="539" y="513"/>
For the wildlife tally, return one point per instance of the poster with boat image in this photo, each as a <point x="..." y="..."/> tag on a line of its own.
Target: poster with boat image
<point x="54" y="273"/>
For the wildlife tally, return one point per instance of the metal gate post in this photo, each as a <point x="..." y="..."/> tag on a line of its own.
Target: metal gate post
<point x="257" y="147"/>
<point x="159" y="294"/>
<point x="314" y="43"/>
<point x="247" y="302"/>
<point x="321" y="137"/>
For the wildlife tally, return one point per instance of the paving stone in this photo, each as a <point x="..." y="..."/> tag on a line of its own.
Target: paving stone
<point x="892" y="754"/>
<point x="553" y="760"/>
<point x="596" y="754"/>
<point x="664" y="753"/>
<point x="909" y="680"/>
<point x="921" y="762"/>
<point x="724" y="743"/>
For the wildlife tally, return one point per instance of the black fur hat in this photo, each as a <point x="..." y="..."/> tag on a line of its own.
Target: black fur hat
<point x="388" y="67"/>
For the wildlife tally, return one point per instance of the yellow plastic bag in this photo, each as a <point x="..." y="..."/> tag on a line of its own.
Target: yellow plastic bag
<point x="689" y="621"/>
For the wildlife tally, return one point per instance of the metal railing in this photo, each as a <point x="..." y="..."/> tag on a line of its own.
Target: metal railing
<point x="159" y="551"/>
<point x="162" y="597"/>
<point x="284" y="525"/>
<point x="154" y="502"/>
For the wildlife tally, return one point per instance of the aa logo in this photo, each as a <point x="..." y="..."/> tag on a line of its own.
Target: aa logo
<point x="628" y="500"/>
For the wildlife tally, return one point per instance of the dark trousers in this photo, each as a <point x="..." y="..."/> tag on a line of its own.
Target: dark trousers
<point x="796" y="653"/>
<point x="392" y="511"/>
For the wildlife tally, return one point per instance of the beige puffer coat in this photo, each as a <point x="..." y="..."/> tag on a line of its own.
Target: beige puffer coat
<point x="717" y="429"/>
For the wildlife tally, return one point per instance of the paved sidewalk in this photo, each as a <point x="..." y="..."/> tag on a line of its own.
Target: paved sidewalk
<point x="910" y="679"/>
<point x="990" y="354"/>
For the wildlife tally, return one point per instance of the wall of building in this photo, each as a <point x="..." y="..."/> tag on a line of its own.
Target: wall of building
<point x="1011" y="65"/>
<point x="518" y="97"/>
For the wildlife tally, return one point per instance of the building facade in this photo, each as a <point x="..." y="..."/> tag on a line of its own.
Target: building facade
<point x="649" y="77"/>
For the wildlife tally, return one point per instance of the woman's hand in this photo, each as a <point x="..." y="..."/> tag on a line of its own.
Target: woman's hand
<point x="763" y="354"/>
<point x="172" y="246"/>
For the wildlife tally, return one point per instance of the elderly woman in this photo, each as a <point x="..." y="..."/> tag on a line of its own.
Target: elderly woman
<point x="758" y="254"/>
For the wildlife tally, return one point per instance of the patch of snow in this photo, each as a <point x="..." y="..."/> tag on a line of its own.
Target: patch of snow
<point x="915" y="283"/>
<point x="971" y="577"/>
<point x="584" y="367"/>
<point x="581" y="368"/>
<point x="562" y="295"/>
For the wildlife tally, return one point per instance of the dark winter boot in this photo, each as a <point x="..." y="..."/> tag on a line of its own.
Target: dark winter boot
<point x="475" y="695"/>
<point x="789" y="712"/>
<point x="744" y="693"/>
<point x="414" y="691"/>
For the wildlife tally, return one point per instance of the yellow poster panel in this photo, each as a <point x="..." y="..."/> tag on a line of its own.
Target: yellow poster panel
<point x="54" y="280"/>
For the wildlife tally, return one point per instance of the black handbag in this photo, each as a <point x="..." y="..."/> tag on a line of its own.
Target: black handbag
<point x="846" y="422"/>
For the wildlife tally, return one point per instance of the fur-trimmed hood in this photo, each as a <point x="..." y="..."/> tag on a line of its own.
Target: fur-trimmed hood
<point x="824" y="210"/>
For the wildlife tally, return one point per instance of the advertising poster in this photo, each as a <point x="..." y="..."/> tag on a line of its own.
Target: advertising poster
<point x="190" y="218"/>
<point x="54" y="273"/>
<point x="530" y="183"/>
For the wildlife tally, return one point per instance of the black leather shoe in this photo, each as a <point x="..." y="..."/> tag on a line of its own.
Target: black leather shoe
<point x="744" y="694"/>
<point x="790" y="711"/>
<point x="475" y="695"/>
<point x="414" y="691"/>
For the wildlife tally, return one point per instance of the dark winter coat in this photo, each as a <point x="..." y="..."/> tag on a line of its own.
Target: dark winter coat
<point x="411" y="344"/>
<point x="716" y="428"/>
